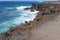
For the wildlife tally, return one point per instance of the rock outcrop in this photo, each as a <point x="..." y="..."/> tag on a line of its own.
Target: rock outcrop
<point x="23" y="32"/>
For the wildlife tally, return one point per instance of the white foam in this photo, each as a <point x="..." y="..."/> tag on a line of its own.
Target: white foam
<point x="22" y="7"/>
<point x="18" y="20"/>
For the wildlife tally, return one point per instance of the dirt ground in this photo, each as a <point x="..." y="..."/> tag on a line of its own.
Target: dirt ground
<point x="48" y="31"/>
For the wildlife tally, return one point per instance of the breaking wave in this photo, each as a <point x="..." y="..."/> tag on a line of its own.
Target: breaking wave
<point x="18" y="16"/>
<point x="22" y="7"/>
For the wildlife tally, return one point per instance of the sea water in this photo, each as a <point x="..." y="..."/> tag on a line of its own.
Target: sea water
<point x="12" y="13"/>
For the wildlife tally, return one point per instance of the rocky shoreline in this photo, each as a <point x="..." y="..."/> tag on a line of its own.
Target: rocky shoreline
<point x="47" y="13"/>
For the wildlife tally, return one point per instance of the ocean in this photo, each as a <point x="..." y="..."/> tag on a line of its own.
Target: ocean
<point x="12" y="14"/>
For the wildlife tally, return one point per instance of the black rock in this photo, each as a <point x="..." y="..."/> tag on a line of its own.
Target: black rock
<point x="32" y="10"/>
<point x="27" y="8"/>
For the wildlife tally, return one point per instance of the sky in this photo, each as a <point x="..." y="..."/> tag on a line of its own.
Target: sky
<point x="28" y="0"/>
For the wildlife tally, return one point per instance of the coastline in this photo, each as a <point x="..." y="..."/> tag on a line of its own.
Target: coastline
<point x="24" y="30"/>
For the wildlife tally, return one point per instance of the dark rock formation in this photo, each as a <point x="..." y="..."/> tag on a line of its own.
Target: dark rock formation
<point x="32" y="10"/>
<point x="26" y="22"/>
<point x="27" y="8"/>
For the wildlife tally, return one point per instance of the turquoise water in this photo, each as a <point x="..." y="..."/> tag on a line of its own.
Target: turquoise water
<point x="13" y="14"/>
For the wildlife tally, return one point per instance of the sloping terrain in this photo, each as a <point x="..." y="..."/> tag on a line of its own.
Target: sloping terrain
<point x="48" y="31"/>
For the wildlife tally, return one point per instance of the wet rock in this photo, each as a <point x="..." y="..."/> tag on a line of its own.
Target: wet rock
<point x="26" y="22"/>
<point x="32" y="10"/>
<point x="27" y="8"/>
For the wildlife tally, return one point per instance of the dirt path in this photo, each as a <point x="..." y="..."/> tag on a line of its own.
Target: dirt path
<point x="48" y="31"/>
